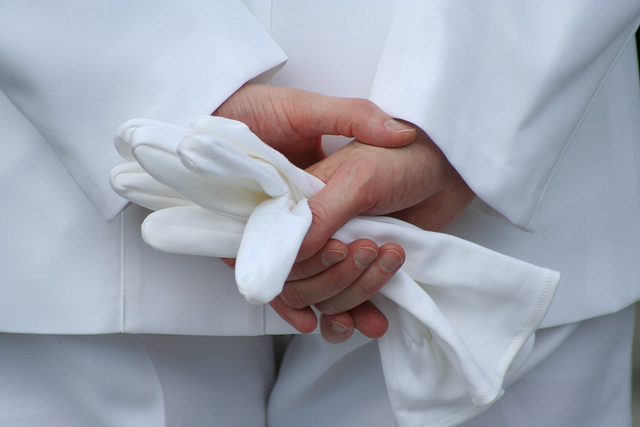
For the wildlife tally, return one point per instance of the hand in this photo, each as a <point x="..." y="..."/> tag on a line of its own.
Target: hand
<point x="293" y="122"/>
<point x="347" y="271"/>
<point x="415" y="183"/>
<point x="339" y="280"/>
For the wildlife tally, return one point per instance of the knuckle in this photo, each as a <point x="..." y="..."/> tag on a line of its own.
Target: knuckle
<point x="369" y="288"/>
<point x="337" y="284"/>
<point x="363" y="169"/>
<point x="306" y="271"/>
<point x="329" y="308"/>
<point x="365" y="104"/>
<point x="294" y="298"/>
<point x="300" y="271"/>
<point x="319" y="213"/>
<point x="320" y="224"/>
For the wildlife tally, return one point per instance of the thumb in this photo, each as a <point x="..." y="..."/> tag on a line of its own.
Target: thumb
<point x="313" y="115"/>
<point x="361" y="119"/>
<point x="332" y="207"/>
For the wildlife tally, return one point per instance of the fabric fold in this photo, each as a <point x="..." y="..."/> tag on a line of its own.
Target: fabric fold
<point x="459" y="314"/>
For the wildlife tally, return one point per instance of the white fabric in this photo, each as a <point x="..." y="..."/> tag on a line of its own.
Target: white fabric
<point x="584" y="224"/>
<point x="170" y="381"/>
<point x="122" y="60"/>
<point x="64" y="269"/>
<point x="577" y="375"/>
<point x="510" y="86"/>
<point x="459" y="314"/>
<point x="71" y="74"/>
<point x="134" y="380"/>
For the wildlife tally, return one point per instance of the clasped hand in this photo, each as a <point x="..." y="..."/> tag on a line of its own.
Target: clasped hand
<point x="414" y="182"/>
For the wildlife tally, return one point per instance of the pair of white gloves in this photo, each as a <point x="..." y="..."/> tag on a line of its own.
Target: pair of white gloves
<point x="461" y="317"/>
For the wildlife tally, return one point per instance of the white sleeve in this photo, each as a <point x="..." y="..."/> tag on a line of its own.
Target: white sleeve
<point x="501" y="86"/>
<point x="77" y="70"/>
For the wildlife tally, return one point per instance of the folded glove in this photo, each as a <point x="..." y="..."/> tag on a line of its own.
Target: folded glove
<point x="461" y="317"/>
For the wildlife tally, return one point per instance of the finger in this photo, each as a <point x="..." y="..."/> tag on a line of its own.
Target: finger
<point x="369" y="320"/>
<point x="334" y="205"/>
<point x="439" y="211"/>
<point x="230" y="262"/>
<point x="310" y="115"/>
<point x="306" y="292"/>
<point x="333" y="252"/>
<point x="366" y="317"/>
<point x="391" y="258"/>
<point x="361" y="119"/>
<point x="304" y="319"/>
<point x="336" y="329"/>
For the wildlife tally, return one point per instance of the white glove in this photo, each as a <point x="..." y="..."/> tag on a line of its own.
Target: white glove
<point x="235" y="192"/>
<point x="460" y="316"/>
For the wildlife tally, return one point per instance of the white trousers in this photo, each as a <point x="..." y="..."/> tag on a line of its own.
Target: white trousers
<point x="578" y="375"/>
<point x="141" y="381"/>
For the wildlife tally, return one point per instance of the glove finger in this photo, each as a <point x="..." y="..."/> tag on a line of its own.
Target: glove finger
<point x="233" y="131"/>
<point x="133" y="183"/>
<point x="220" y="161"/>
<point x="238" y="134"/>
<point x="192" y="230"/>
<point x="265" y="257"/>
<point x="155" y="149"/>
<point x="125" y="132"/>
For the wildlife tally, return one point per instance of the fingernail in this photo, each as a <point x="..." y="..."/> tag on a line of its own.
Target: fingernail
<point x="338" y="327"/>
<point x="397" y="126"/>
<point x="390" y="261"/>
<point x="332" y="256"/>
<point x="363" y="257"/>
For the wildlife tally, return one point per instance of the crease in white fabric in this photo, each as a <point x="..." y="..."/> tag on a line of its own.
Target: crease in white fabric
<point x="122" y="274"/>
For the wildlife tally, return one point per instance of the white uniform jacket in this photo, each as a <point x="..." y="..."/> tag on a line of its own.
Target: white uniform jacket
<point x="535" y="105"/>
